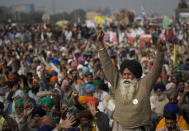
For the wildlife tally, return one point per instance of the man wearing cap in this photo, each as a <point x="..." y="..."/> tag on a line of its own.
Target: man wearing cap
<point x="100" y="118"/>
<point x="132" y="94"/>
<point x="89" y="76"/>
<point x="172" y="108"/>
<point x="34" y="90"/>
<point x="100" y="94"/>
<point x="170" y="123"/>
<point x="8" y="123"/>
<point x="157" y="101"/>
<point x="68" y="96"/>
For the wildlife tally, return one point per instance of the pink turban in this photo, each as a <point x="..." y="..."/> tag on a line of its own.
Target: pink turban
<point x="81" y="59"/>
<point x="170" y="86"/>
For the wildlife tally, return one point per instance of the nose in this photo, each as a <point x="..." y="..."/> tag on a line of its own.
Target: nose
<point x="125" y="77"/>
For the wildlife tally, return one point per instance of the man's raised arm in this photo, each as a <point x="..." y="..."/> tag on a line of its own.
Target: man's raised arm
<point x="153" y="75"/>
<point x="110" y="71"/>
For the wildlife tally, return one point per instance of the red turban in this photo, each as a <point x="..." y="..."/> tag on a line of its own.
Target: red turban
<point x="91" y="99"/>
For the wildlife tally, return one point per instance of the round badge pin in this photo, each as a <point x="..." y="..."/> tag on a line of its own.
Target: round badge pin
<point x="135" y="101"/>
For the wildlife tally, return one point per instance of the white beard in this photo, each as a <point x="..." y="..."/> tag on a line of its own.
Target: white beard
<point x="127" y="90"/>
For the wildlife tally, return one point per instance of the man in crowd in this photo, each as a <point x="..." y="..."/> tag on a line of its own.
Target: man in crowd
<point x="171" y="123"/>
<point x="132" y="104"/>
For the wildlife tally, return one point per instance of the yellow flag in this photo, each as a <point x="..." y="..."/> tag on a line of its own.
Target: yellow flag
<point x="99" y="19"/>
<point x="175" y="56"/>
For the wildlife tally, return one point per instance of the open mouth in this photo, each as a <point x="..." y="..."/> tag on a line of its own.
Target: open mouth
<point x="126" y="82"/>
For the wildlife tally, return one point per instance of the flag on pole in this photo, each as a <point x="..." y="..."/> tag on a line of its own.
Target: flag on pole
<point x="175" y="56"/>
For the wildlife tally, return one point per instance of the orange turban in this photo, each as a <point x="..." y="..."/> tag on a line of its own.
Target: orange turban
<point x="82" y="47"/>
<point x="26" y="45"/>
<point x="113" y="61"/>
<point x="50" y="71"/>
<point x="79" y="81"/>
<point x="35" y="80"/>
<point x="4" y="57"/>
<point x="11" y="76"/>
<point x="91" y="99"/>
<point x="54" y="78"/>
<point x="74" y="64"/>
<point x="82" y="99"/>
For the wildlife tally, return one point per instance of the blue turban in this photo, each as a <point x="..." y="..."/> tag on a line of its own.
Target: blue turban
<point x="184" y="67"/>
<point x="30" y="60"/>
<point x="85" y="69"/>
<point x="56" y="61"/>
<point x="90" y="87"/>
<point x="51" y="59"/>
<point x="160" y="86"/>
<point x="172" y="108"/>
<point x="187" y="59"/>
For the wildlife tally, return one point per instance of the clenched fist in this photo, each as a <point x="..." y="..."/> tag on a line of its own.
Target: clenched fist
<point x="162" y="45"/>
<point x="100" y="36"/>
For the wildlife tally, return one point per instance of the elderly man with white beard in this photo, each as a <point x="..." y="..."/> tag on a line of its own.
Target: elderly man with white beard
<point x="158" y="100"/>
<point x="132" y="93"/>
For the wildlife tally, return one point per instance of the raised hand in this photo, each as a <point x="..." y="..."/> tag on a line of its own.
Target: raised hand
<point x="92" y="108"/>
<point x="68" y="123"/>
<point x="100" y="36"/>
<point x="162" y="45"/>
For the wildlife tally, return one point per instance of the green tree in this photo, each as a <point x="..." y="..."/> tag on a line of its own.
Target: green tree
<point x="78" y="14"/>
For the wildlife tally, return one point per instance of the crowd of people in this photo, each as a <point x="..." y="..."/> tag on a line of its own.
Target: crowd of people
<point x="71" y="79"/>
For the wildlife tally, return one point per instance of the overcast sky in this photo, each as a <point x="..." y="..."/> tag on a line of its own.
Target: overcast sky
<point x="160" y="6"/>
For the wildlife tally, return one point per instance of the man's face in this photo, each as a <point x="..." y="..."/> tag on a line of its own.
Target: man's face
<point x="74" y="74"/>
<point x="90" y="79"/>
<point x="47" y="108"/>
<point x="35" y="87"/>
<point x="6" y="127"/>
<point x="181" y="86"/>
<point x="187" y="63"/>
<point x="89" y="93"/>
<point x="159" y="92"/>
<point x="11" y="82"/>
<point x="53" y="82"/>
<point x="127" y="74"/>
<point x="174" y="79"/>
<point x="19" y="109"/>
<point x="170" y="124"/>
<point x="85" y="122"/>
<point x="63" y="62"/>
<point x="172" y="99"/>
<point x="63" y="110"/>
<point x="35" y="122"/>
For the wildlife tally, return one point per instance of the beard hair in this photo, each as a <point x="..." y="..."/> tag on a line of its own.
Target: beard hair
<point x="127" y="90"/>
<point x="86" y="128"/>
